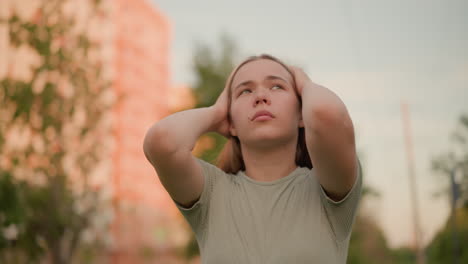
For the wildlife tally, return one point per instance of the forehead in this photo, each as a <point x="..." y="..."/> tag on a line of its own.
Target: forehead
<point x="257" y="70"/>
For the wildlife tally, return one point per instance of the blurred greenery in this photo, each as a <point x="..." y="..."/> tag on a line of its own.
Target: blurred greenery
<point x="442" y="248"/>
<point x="455" y="159"/>
<point x="43" y="215"/>
<point x="404" y="255"/>
<point x="40" y="215"/>
<point x="212" y="68"/>
<point x="368" y="243"/>
<point x="14" y="217"/>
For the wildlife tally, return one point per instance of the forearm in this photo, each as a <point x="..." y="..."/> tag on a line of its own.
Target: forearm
<point x="321" y="104"/>
<point x="330" y="139"/>
<point x="180" y="131"/>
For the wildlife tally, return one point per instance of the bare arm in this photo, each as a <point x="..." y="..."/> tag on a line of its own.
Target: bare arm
<point x="329" y="137"/>
<point x="168" y="145"/>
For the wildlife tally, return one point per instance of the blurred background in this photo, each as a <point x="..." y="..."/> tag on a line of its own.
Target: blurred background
<point x="81" y="81"/>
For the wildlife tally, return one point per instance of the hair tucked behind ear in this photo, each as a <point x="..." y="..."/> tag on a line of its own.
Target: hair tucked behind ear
<point x="230" y="159"/>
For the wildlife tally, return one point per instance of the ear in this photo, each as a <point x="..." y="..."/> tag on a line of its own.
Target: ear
<point x="232" y="129"/>
<point x="301" y="121"/>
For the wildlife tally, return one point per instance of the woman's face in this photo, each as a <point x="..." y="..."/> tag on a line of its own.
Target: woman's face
<point x="264" y="85"/>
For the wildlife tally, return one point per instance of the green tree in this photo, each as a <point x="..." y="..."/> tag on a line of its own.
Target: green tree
<point x="441" y="248"/>
<point x="54" y="110"/>
<point x="368" y="243"/>
<point x="13" y="214"/>
<point x="455" y="160"/>
<point x="404" y="255"/>
<point x="212" y="69"/>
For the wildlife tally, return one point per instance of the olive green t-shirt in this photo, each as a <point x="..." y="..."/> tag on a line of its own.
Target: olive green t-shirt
<point x="289" y="220"/>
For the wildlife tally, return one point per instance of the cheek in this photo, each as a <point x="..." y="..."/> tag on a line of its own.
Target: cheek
<point x="295" y="104"/>
<point x="288" y="101"/>
<point x="235" y="113"/>
<point x="239" y="116"/>
<point x="294" y="108"/>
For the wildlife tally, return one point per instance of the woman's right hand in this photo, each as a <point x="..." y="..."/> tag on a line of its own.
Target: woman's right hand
<point x="220" y="115"/>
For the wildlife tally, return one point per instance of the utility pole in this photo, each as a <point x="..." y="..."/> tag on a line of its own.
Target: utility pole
<point x="412" y="184"/>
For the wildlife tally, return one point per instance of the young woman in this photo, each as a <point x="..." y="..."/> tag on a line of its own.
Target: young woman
<point x="265" y="202"/>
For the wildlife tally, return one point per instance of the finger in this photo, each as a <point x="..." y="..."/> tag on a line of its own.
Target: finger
<point x="295" y="70"/>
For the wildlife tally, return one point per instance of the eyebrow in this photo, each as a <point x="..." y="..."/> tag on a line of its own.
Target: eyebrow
<point x="269" y="77"/>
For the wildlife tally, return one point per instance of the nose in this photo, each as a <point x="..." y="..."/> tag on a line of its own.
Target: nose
<point x="261" y="98"/>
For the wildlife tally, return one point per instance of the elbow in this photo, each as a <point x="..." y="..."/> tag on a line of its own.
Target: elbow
<point x="325" y="118"/>
<point x="157" y="143"/>
<point x="331" y="111"/>
<point x="328" y="114"/>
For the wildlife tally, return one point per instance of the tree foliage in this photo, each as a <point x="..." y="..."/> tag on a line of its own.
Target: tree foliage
<point x="443" y="248"/>
<point x="212" y="69"/>
<point x="448" y="245"/>
<point x="455" y="160"/>
<point x="368" y="243"/>
<point x="54" y="125"/>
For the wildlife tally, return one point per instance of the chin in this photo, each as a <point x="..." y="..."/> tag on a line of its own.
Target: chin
<point x="265" y="138"/>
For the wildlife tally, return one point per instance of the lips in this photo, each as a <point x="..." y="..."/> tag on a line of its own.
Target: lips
<point x="264" y="114"/>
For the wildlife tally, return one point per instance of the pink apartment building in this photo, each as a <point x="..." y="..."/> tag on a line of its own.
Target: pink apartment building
<point x="146" y="226"/>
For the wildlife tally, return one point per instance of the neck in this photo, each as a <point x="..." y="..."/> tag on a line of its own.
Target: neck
<point x="269" y="164"/>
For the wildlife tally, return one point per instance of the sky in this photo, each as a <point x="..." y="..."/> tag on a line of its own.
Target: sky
<point x="374" y="54"/>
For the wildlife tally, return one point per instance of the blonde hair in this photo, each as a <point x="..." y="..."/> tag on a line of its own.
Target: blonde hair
<point x="230" y="159"/>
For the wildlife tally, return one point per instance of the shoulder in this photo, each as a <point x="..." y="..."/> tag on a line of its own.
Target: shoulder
<point x="214" y="174"/>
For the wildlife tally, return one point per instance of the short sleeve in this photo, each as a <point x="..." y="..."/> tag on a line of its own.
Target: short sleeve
<point x="197" y="214"/>
<point x="341" y="214"/>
